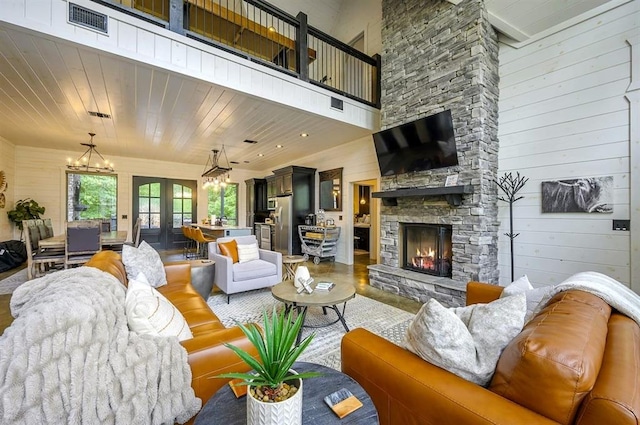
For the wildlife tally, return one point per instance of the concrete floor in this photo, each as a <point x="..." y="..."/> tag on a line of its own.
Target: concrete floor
<point x="357" y="274"/>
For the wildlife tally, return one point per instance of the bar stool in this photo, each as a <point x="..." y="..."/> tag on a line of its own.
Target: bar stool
<point x="189" y="243"/>
<point x="201" y="241"/>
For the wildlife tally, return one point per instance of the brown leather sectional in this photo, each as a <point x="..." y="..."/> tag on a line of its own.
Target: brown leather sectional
<point x="575" y="362"/>
<point x="207" y="355"/>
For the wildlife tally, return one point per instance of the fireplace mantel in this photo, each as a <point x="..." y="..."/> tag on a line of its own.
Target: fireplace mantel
<point x="453" y="194"/>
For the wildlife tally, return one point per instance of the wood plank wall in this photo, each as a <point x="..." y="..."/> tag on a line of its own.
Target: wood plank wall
<point x="41" y="175"/>
<point x="563" y="115"/>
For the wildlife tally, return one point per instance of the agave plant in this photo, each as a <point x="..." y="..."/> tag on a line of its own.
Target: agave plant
<point x="277" y="352"/>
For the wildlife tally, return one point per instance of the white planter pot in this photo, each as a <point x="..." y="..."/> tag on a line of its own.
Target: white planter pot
<point x="288" y="412"/>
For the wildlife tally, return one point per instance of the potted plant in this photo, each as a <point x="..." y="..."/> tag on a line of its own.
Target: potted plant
<point x="275" y="390"/>
<point x="26" y="209"/>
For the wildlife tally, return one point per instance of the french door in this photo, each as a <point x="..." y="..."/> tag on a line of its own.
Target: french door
<point x="163" y="206"/>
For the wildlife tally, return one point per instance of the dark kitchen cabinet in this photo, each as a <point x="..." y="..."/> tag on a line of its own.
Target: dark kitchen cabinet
<point x="256" y="201"/>
<point x="271" y="187"/>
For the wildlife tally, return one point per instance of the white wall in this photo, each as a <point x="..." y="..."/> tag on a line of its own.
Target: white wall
<point x="7" y="165"/>
<point x="563" y="115"/>
<point x="357" y="16"/>
<point x="358" y="158"/>
<point x="41" y="175"/>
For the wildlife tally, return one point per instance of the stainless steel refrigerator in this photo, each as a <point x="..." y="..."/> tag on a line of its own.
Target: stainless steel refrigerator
<point x="283" y="225"/>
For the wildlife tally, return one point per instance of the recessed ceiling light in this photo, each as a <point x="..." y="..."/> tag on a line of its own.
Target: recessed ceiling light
<point x="304" y="134"/>
<point x="260" y="154"/>
<point x="278" y="146"/>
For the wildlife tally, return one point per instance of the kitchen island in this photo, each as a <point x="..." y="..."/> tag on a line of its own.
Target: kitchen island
<point x="223" y="231"/>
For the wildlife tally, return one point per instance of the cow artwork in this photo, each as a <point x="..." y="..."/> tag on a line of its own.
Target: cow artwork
<point x="593" y="194"/>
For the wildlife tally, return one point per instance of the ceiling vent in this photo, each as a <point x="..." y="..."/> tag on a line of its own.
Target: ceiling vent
<point x="337" y="103"/>
<point x="99" y="115"/>
<point x="87" y="18"/>
<point x="251" y="142"/>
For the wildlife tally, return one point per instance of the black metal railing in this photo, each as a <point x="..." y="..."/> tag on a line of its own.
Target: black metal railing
<point x="265" y="34"/>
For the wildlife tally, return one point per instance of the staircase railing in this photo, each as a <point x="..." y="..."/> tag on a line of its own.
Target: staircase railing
<point x="267" y="35"/>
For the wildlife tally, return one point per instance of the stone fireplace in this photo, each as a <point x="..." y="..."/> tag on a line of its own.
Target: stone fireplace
<point x="426" y="248"/>
<point x="439" y="56"/>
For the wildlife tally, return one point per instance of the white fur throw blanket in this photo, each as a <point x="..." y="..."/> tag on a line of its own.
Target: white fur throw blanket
<point x="610" y="290"/>
<point x="69" y="358"/>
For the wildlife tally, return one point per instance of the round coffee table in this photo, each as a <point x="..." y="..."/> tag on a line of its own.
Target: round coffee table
<point x="340" y="294"/>
<point x="291" y="263"/>
<point x="224" y="408"/>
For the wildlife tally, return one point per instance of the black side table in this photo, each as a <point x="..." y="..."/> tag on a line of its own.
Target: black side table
<point x="225" y="408"/>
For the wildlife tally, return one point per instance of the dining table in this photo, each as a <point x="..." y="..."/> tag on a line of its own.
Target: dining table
<point x="116" y="237"/>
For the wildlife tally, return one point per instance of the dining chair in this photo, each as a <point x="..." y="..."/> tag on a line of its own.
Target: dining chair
<point x="39" y="261"/>
<point x="105" y="225"/>
<point x="136" y="232"/>
<point x="82" y="241"/>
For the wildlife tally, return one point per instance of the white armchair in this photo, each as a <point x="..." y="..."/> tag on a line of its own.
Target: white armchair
<point x="232" y="278"/>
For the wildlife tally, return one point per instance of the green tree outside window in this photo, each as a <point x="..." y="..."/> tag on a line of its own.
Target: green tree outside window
<point x="223" y="202"/>
<point x="92" y="196"/>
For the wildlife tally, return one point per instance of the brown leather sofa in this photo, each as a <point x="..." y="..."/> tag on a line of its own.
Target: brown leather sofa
<point x="207" y="355"/>
<point x="575" y="362"/>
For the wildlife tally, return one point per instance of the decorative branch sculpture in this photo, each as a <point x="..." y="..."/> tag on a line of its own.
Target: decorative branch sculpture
<point x="510" y="185"/>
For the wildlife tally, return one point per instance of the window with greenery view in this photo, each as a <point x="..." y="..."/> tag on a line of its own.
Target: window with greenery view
<point x="223" y="202"/>
<point x="91" y="197"/>
<point x="182" y="205"/>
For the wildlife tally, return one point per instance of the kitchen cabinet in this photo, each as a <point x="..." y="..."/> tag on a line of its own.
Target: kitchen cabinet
<point x="293" y="180"/>
<point x="271" y="187"/>
<point x="256" y="200"/>
<point x="299" y="183"/>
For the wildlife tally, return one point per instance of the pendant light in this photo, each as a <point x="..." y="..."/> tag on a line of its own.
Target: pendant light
<point x="361" y="190"/>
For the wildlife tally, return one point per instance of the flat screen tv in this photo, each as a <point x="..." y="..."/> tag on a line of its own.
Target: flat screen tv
<point x="420" y="145"/>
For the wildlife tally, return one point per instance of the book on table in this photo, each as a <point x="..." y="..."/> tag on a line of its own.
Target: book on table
<point x="342" y="402"/>
<point x="324" y="286"/>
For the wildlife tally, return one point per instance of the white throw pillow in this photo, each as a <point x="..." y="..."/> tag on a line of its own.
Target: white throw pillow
<point x="466" y="341"/>
<point x="248" y="253"/>
<point x="533" y="295"/>
<point x="149" y="312"/>
<point x="146" y="260"/>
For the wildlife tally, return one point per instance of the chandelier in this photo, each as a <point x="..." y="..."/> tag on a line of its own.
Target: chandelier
<point x="83" y="163"/>
<point x="215" y="174"/>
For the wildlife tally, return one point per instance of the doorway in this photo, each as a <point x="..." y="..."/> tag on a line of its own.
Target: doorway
<point x="365" y="222"/>
<point x="164" y="206"/>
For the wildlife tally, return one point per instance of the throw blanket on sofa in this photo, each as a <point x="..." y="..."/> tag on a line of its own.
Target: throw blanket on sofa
<point x="69" y="358"/>
<point x="610" y="290"/>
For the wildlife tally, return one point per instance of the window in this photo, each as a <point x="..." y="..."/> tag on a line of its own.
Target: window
<point x="149" y="205"/>
<point x="182" y="205"/>
<point x="91" y="197"/>
<point x="223" y="202"/>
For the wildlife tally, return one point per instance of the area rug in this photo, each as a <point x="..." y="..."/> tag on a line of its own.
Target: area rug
<point x="361" y="312"/>
<point x="8" y="285"/>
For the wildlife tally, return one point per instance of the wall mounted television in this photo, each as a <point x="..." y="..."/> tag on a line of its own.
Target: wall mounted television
<point x="419" y="145"/>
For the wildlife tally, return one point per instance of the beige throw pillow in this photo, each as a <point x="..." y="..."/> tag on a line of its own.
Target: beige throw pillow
<point x="149" y="312"/>
<point x="248" y="253"/>
<point x="533" y="295"/>
<point x="466" y="341"/>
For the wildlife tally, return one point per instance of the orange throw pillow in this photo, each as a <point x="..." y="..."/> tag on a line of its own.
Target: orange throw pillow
<point x="229" y="249"/>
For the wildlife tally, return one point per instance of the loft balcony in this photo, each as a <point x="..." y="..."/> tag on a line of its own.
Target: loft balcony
<point x="264" y="34"/>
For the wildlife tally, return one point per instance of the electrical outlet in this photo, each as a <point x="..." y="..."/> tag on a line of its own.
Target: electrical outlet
<point x="124" y="216"/>
<point x="340" y="218"/>
<point x="623" y="225"/>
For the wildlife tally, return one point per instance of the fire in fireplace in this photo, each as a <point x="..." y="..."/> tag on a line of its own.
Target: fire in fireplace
<point x="427" y="248"/>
